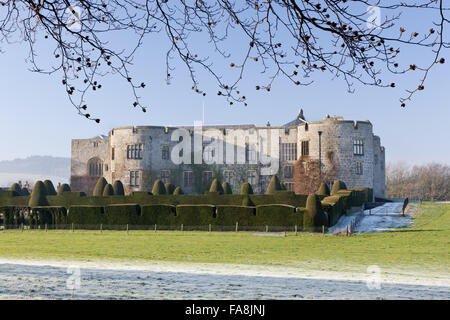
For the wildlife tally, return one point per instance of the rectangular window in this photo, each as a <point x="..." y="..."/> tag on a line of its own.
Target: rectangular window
<point x="288" y="151"/>
<point x="289" y="186"/>
<point x="207" y="178"/>
<point x="112" y="153"/>
<point x="134" y="151"/>
<point x="358" y="147"/>
<point x="165" y="152"/>
<point x="250" y="152"/>
<point x="305" y="148"/>
<point x="228" y="176"/>
<point x="187" y="178"/>
<point x="359" y="168"/>
<point x="134" y="178"/>
<point x="251" y="177"/>
<point x="288" y="172"/>
<point x="165" y="176"/>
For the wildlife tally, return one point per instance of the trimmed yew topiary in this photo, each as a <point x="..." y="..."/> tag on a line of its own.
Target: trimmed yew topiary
<point x="99" y="187"/>
<point x="178" y="191"/>
<point x="50" y="188"/>
<point x="216" y="187"/>
<point x="108" y="191"/>
<point x="323" y="190"/>
<point x="63" y="188"/>
<point x="118" y="188"/>
<point x="38" y="195"/>
<point x="337" y="185"/>
<point x="227" y="188"/>
<point x="170" y="188"/>
<point x="15" y="187"/>
<point x="247" y="202"/>
<point x="158" y="188"/>
<point x="274" y="185"/>
<point x="24" y="192"/>
<point x="314" y="218"/>
<point x="246" y="188"/>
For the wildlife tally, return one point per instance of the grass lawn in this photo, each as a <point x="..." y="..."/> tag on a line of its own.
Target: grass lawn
<point x="424" y="246"/>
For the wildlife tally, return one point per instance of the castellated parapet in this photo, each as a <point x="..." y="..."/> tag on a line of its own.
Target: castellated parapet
<point x="137" y="156"/>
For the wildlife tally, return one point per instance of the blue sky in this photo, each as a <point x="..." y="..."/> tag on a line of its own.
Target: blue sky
<point x="37" y="119"/>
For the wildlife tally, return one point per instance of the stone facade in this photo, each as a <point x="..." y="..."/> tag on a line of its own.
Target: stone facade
<point x="137" y="156"/>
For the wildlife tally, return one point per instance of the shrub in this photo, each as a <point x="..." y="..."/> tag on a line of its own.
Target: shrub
<point x="121" y="214"/>
<point x="335" y="207"/>
<point x="49" y="215"/>
<point x="227" y="188"/>
<point x="86" y="215"/>
<point x="118" y="188"/>
<point x="50" y="189"/>
<point x="177" y="191"/>
<point x="99" y="187"/>
<point x="323" y="190"/>
<point x="274" y="185"/>
<point x="229" y="215"/>
<point x="63" y="188"/>
<point x="38" y="195"/>
<point x="216" y="187"/>
<point x="158" y="188"/>
<point x="159" y="214"/>
<point x="314" y="218"/>
<point x="277" y="215"/>
<point x="247" y="202"/>
<point x="170" y="188"/>
<point x="25" y="192"/>
<point x="195" y="215"/>
<point x="15" y="187"/>
<point x="246" y="188"/>
<point x="337" y="185"/>
<point x="108" y="190"/>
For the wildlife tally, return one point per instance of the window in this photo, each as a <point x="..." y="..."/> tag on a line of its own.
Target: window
<point x="134" y="178"/>
<point x="289" y="186"/>
<point x="165" y="176"/>
<point x="112" y="153"/>
<point x="251" y="177"/>
<point x="288" y="151"/>
<point x="228" y="176"/>
<point x="165" y="152"/>
<point x="250" y="152"/>
<point x="95" y="144"/>
<point x="209" y="154"/>
<point x="359" y="168"/>
<point x="305" y="148"/>
<point x="95" y="167"/>
<point x="187" y="178"/>
<point x="207" y="178"/>
<point x="134" y="151"/>
<point x="288" y="172"/>
<point x="358" y="147"/>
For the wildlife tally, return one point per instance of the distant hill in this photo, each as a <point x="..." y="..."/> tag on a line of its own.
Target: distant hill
<point x="34" y="168"/>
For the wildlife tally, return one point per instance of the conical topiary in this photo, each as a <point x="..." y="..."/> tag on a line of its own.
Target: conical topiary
<point x="314" y="217"/>
<point x="246" y="188"/>
<point x="158" y="188"/>
<point x="63" y="188"/>
<point x="108" y="190"/>
<point x="216" y="187"/>
<point x="99" y="187"/>
<point x="226" y="188"/>
<point x="170" y="188"/>
<point x="337" y="185"/>
<point x="247" y="202"/>
<point x="24" y="192"/>
<point x="49" y="188"/>
<point x="118" y="188"/>
<point x="274" y="185"/>
<point x="38" y="195"/>
<point x="15" y="187"/>
<point x="323" y="190"/>
<point x="177" y="191"/>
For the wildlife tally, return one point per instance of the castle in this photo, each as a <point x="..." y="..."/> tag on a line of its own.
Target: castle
<point x="191" y="156"/>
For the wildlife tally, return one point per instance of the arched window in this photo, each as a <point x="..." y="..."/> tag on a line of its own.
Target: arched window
<point x="95" y="167"/>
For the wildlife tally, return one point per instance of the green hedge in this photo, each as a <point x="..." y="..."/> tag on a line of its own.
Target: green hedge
<point x="229" y="215"/>
<point x="121" y="214"/>
<point x="278" y="216"/>
<point x="159" y="214"/>
<point x="49" y="215"/>
<point x="195" y="215"/>
<point x="86" y="215"/>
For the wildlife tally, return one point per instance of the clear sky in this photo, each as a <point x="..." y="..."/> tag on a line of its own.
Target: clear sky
<point x="37" y="119"/>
